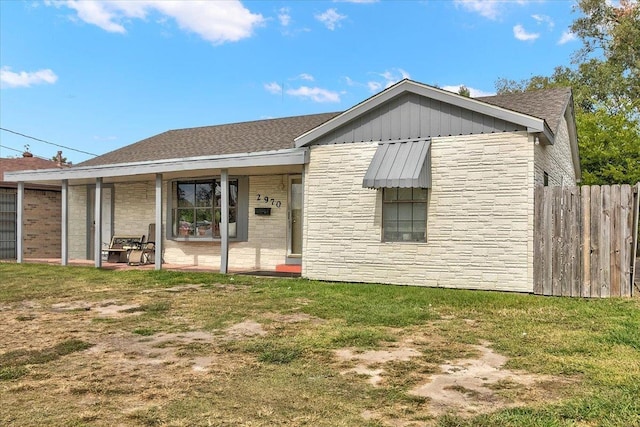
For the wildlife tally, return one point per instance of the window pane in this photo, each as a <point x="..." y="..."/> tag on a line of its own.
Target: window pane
<point x="174" y="199"/>
<point x="186" y="195"/>
<point x="185" y="222"/>
<point x="391" y="226"/>
<point x="406" y="228"/>
<point x="204" y="194"/>
<point x="390" y="235"/>
<point x="204" y="221"/>
<point x="405" y="211"/>
<point x="233" y="193"/>
<point x="419" y="194"/>
<point x="218" y="194"/>
<point x="390" y="212"/>
<point x="233" y="222"/>
<point x="419" y="211"/>
<point x="390" y="194"/>
<point x="405" y="193"/>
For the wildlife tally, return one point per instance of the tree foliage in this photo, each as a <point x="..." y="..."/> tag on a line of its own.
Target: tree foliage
<point x="605" y="79"/>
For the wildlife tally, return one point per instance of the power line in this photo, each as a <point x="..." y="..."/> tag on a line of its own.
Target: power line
<point x="9" y="148"/>
<point x="47" y="142"/>
<point x="22" y="151"/>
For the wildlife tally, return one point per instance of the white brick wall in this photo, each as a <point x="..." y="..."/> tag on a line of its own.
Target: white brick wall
<point x="479" y="226"/>
<point x="134" y="208"/>
<point x="77" y="222"/>
<point x="555" y="159"/>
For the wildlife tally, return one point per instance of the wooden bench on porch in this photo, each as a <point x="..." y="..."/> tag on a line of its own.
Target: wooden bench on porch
<point x="121" y="245"/>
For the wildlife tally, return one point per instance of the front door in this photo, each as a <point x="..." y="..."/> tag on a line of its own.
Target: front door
<point x="295" y="217"/>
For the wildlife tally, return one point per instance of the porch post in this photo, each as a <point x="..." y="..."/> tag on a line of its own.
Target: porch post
<point x="64" y="231"/>
<point x="97" y="247"/>
<point x="158" y="237"/>
<point x="19" y="222"/>
<point x="224" y="217"/>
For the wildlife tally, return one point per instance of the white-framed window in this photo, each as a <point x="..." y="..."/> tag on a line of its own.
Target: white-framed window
<point x="196" y="209"/>
<point x="404" y="214"/>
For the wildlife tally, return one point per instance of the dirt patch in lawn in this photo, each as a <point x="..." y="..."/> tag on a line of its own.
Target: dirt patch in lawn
<point x="464" y="387"/>
<point x="368" y="361"/>
<point x="470" y="386"/>
<point x="106" y="308"/>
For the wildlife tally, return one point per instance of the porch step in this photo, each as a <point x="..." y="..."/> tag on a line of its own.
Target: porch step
<point x="289" y="268"/>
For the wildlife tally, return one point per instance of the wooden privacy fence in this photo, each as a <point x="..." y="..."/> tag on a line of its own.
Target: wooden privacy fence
<point x="585" y="240"/>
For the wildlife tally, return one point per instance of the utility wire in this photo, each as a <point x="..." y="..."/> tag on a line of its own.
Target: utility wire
<point x="47" y="142"/>
<point x="9" y="148"/>
<point x="21" y="151"/>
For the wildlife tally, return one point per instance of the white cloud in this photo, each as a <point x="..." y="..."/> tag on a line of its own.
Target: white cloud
<point x="9" y="78"/>
<point x="305" y="76"/>
<point x="544" y="19"/>
<point x="374" y="86"/>
<point x="284" y="17"/>
<point x="331" y="18"/>
<point x="273" y="88"/>
<point x="566" y="37"/>
<point x="487" y="8"/>
<point x="316" y="94"/>
<point x="472" y="91"/>
<point x="349" y="81"/>
<point x="390" y="77"/>
<point x="491" y="9"/>
<point x="215" y="21"/>
<point x="521" y="34"/>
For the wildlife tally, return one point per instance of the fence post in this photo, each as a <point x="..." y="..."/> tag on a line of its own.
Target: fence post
<point x="615" y="250"/>
<point x="586" y="240"/>
<point x="539" y="239"/>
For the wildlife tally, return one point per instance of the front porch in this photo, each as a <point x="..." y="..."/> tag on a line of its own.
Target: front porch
<point x="234" y="214"/>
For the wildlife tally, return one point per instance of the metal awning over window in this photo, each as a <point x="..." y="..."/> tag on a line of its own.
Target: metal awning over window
<point x="405" y="164"/>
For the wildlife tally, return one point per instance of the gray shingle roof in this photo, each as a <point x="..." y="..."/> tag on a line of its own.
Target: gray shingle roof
<point x="245" y="137"/>
<point x="546" y="104"/>
<point x="278" y="134"/>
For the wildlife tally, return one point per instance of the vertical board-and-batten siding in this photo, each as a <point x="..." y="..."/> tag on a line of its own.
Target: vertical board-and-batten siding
<point x="413" y="116"/>
<point x="479" y="221"/>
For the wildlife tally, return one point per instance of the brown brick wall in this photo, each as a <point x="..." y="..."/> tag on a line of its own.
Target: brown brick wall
<point x="42" y="223"/>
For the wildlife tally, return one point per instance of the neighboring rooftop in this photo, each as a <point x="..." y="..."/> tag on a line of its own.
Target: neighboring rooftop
<point x="26" y="162"/>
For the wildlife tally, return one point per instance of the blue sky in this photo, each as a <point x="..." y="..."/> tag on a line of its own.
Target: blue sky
<point x="98" y="75"/>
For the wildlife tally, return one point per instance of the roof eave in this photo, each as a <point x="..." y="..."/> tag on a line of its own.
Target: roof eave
<point x="292" y="156"/>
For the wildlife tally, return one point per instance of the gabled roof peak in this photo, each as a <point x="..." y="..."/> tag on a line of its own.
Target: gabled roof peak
<point x="522" y="116"/>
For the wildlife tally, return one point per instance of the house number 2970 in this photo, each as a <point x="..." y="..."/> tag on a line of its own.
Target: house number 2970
<point x="269" y="200"/>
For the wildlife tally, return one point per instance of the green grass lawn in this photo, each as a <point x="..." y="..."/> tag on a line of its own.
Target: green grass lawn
<point x="82" y="346"/>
